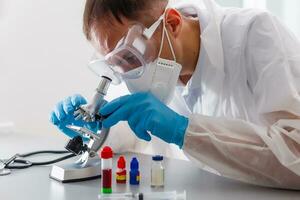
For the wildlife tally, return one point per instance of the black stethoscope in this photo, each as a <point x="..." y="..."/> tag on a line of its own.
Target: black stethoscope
<point x="18" y="162"/>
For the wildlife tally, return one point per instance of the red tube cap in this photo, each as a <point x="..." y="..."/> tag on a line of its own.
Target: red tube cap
<point x="106" y="152"/>
<point x="121" y="162"/>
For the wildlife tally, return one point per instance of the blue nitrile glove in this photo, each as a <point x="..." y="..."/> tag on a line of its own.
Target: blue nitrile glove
<point x="63" y="114"/>
<point x="144" y="112"/>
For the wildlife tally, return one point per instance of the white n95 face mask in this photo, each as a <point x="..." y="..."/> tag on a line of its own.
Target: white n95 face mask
<point x="159" y="77"/>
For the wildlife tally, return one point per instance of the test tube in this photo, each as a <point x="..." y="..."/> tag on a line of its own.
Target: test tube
<point x="106" y="164"/>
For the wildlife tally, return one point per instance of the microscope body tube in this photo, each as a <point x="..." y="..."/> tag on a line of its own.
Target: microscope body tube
<point x="98" y="98"/>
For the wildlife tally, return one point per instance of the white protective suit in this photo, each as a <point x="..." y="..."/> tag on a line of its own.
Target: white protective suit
<point x="243" y="100"/>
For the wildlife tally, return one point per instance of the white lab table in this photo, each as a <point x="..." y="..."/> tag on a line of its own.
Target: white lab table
<point x="34" y="183"/>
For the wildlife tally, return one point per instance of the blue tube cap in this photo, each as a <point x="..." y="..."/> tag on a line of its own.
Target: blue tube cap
<point x="157" y="158"/>
<point x="134" y="164"/>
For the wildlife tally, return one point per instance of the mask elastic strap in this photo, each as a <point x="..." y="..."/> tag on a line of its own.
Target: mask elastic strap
<point x="165" y="31"/>
<point x="148" y="32"/>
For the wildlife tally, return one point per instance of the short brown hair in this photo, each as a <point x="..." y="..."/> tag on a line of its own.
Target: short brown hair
<point x="97" y="9"/>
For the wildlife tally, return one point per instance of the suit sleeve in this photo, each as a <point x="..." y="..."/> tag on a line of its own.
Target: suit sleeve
<point x="263" y="155"/>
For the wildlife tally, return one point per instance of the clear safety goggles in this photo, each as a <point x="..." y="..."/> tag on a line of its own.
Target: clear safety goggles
<point x="131" y="54"/>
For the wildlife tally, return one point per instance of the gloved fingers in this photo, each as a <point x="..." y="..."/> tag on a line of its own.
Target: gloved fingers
<point x="59" y="111"/>
<point x="114" y="105"/>
<point x="78" y="100"/>
<point x="140" y="130"/>
<point x="120" y="114"/>
<point x="53" y="119"/>
<point x="133" y="121"/>
<point x="68" y="106"/>
<point x="151" y="123"/>
<point x="135" y="117"/>
<point x="136" y="122"/>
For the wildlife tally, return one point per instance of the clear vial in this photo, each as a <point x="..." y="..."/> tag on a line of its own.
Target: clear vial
<point x="157" y="172"/>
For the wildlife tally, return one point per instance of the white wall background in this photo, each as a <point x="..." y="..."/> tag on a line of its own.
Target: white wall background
<point x="43" y="56"/>
<point x="286" y="10"/>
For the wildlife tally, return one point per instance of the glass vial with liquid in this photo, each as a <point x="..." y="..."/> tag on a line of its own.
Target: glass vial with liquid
<point x="157" y="172"/>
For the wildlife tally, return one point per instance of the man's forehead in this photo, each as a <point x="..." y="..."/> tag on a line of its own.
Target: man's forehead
<point x="105" y="35"/>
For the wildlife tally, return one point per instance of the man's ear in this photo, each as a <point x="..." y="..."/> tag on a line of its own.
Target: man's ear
<point x="173" y="21"/>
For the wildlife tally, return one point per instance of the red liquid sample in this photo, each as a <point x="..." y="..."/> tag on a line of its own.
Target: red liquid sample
<point x="106" y="178"/>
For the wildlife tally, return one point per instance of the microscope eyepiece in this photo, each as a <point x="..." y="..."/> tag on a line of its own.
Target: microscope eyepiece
<point x="106" y="77"/>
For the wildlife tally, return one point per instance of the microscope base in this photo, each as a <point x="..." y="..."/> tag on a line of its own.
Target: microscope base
<point x="66" y="172"/>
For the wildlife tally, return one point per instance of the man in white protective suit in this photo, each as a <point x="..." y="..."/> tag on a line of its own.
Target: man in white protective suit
<point x="220" y="86"/>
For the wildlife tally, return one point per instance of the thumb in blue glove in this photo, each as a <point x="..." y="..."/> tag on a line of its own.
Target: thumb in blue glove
<point x="145" y="113"/>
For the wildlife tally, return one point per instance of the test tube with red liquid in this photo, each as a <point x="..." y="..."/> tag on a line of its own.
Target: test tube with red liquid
<point x="106" y="164"/>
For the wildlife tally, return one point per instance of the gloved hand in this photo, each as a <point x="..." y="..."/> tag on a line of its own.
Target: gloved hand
<point x="144" y="112"/>
<point x="63" y="114"/>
